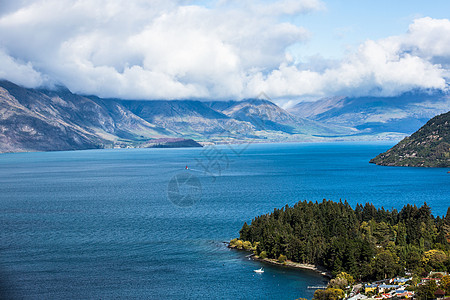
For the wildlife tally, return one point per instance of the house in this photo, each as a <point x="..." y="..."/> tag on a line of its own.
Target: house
<point x="439" y="294"/>
<point x="370" y="288"/>
<point x="401" y="281"/>
<point x="425" y="280"/>
<point x="382" y="288"/>
<point x="434" y="273"/>
<point x="358" y="297"/>
<point x="404" y="294"/>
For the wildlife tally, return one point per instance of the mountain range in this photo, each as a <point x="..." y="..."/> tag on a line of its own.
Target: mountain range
<point x="377" y="116"/>
<point x="57" y="119"/>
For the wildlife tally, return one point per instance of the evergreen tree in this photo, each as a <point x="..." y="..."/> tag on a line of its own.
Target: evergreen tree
<point x="364" y="242"/>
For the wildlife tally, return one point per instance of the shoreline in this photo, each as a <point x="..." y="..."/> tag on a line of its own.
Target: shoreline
<point x="289" y="264"/>
<point x="322" y="271"/>
<point x="203" y="144"/>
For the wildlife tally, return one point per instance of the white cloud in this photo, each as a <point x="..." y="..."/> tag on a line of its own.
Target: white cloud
<point x="385" y="67"/>
<point x="150" y="49"/>
<point x="18" y="72"/>
<point x="226" y="49"/>
<point x="282" y="7"/>
<point x="428" y="38"/>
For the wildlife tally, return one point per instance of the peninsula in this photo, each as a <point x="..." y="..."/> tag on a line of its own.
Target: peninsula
<point x="366" y="242"/>
<point x="427" y="147"/>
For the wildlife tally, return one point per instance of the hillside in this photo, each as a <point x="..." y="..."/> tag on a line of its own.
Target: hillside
<point x="40" y="120"/>
<point x="427" y="147"/>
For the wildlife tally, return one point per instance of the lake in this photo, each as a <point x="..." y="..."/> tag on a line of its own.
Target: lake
<point x="135" y="223"/>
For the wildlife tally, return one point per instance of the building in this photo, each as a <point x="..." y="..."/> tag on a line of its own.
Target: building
<point x="370" y="288"/>
<point x="425" y="280"/>
<point x="401" y="281"/>
<point x="358" y="297"/>
<point x="434" y="273"/>
<point x="382" y="288"/>
<point x="439" y="294"/>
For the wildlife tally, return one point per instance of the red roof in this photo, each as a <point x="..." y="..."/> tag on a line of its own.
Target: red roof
<point x="439" y="292"/>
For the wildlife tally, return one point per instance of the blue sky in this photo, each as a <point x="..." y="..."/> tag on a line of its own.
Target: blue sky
<point x="345" y="24"/>
<point x="226" y="49"/>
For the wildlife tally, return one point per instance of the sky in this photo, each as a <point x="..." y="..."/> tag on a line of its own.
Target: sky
<point x="291" y="50"/>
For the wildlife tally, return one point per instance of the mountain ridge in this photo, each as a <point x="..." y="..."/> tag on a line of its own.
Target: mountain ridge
<point x="45" y="120"/>
<point x="402" y="114"/>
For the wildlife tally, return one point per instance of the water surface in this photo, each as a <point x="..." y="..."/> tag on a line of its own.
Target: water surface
<point x="99" y="224"/>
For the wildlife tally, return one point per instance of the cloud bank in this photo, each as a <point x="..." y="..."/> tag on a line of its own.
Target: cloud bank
<point x="222" y="50"/>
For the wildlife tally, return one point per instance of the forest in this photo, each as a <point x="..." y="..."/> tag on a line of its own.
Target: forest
<point x="366" y="242"/>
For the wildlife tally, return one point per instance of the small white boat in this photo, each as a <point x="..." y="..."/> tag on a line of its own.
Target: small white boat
<point x="259" y="270"/>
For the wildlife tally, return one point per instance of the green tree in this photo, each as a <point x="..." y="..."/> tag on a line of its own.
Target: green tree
<point x="426" y="291"/>
<point x="338" y="283"/>
<point x="445" y="284"/>
<point x="413" y="258"/>
<point x="385" y="265"/>
<point x="346" y="276"/>
<point x="367" y="242"/>
<point x="329" y="294"/>
<point x="263" y="254"/>
<point x="245" y="232"/>
<point x="434" y="259"/>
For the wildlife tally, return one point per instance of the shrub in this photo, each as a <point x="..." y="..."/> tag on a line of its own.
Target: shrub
<point x="282" y="258"/>
<point x="233" y="242"/>
<point x="247" y="245"/>
<point x="346" y="276"/>
<point x="263" y="254"/>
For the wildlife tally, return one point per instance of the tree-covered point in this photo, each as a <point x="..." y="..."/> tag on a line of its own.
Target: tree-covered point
<point x="427" y="147"/>
<point x="366" y="242"/>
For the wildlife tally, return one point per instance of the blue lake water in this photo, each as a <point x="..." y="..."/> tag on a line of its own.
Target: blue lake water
<point x="103" y="224"/>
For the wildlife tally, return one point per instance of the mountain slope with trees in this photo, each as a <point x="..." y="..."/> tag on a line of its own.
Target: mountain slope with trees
<point x="427" y="147"/>
<point x="366" y="242"/>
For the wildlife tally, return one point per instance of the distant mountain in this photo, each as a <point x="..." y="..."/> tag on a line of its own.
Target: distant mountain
<point x="186" y="118"/>
<point x="39" y="120"/>
<point x="266" y="115"/>
<point x="396" y="116"/>
<point x="45" y="120"/>
<point x="428" y="147"/>
<point x="36" y="123"/>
